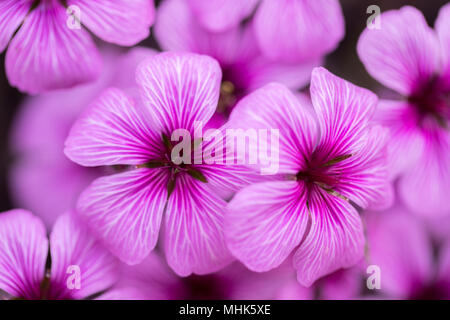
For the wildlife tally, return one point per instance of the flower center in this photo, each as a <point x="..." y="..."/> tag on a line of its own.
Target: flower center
<point x="432" y="100"/>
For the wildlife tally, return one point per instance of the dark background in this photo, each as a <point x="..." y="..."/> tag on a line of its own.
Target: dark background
<point x="343" y="62"/>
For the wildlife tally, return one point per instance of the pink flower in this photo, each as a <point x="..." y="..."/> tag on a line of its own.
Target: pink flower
<point x="126" y="210"/>
<point x="47" y="54"/>
<point x="244" y="66"/>
<point x="42" y="179"/>
<point x="400" y="246"/>
<point x="330" y="159"/>
<point x="412" y="59"/>
<point x="286" y="30"/>
<point x="152" y="279"/>
<point x="24" y="266"/>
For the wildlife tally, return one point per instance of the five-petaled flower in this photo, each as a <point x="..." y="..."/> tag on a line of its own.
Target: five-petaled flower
<point x="125" y="210"/>
<point x="331" y="158"/>
<point x="412" y="59"/>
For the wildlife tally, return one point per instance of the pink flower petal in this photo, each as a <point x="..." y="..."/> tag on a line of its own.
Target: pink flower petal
<point x="265" y="222"/>
<point x="343" y="111"/>
<point x="399" y="246"/>
<point x="443" y="278"/>
<point x="12" y="14"/>
<point x="423" y="188"/>
<point x="274" y="107"/>
<point x="193" y="235"/>
<point x="72" y="245"/>
<point x="335" y="239"/>
<point x="113" y="130"/>
<point x="363" y="178"/>
<point x="219" y="15"/>
<point x="442" y="27"/>
<point x="122" y="22"/>
<point x="404" y="53"/>
<point x="405" y="137"/>
<point x="23" y="254"/>
<point x="179" y="89"/>
<point x="45" y="54"/>
<point x="295" y="31"/>
<point x="125" y="210"/>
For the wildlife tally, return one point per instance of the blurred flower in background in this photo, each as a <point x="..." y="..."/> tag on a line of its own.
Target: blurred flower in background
<point x="47" y="54"/>
<point x="42" y="179"/>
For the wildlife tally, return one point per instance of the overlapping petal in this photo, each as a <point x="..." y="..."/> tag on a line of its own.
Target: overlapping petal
<point x="113" y="130"/>
<point x="265" y="222"/>
<point x="45" y="54"/>
<point x="123" y="22"/>
<point x="442" y="26"/>
<point x="12" y="13"/>
<point x="404" y="53"/>
<point x="179" y="89"/>
<point x="125" y="210"/>
<point x="335" y="238"/>
<point x="73" y="246"/>
<point x="23" y="254"/>
<point x="301" y="30"/>
<point x="194" y="241"/>
<point x="343" y="111"/>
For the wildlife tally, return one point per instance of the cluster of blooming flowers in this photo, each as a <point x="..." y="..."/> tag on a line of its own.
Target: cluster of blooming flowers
<point x="357" y="177"/>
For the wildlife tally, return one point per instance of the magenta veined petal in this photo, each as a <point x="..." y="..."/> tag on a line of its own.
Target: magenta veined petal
<point x="124" y="211"/>
<point x="335" y="238"/>
<point x="23" y="254"/>
<point x="72" y="245"/>
<point x="265" y="222"/>
<point x="179" y="89"/>
<point x="343" y="111"/>
<point x="114" y="130"/>
<point x="402" y="55"/>
<point x="12" y="14"/>
<point x="123" y="22"/>
<point x="45" y="54"/>
<point x="194" y="240"/>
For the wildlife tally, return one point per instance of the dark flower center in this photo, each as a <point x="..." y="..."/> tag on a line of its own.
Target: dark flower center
<point x="432" y="100"/>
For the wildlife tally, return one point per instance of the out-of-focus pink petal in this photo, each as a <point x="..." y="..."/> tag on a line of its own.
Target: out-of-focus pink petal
<point x="122" y="22"/>
<point x="343" y="284"/>
<point x="442" y="27"/>
<point x="335" y="239"/>
<point x="113" y="130"/>
<point x="45" y="54"/>
<point x="124" y="211"/>
<point x="301" y="30"/>
<point x="274" y="107"/>
<point x="406" y="141"/>
<point x="219" y="15"/>
<point x="72" y="245"/>
<point x="404" y="53"/>
<point x="193" y="236"/>
<point x="363" y="178"/>
<point x="424" y="186"/>
<point x="179" y="89"/>
<point x="23" y="253"/>
<point x="398" y="245"/>
<point x="343" y="111"/>
<point x="443" y="277"/>
<point x="265" y="222"/>
<point x="12" y="14"/>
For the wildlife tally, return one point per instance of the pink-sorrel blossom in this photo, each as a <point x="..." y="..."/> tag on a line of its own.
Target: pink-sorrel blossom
<point x="70" y="264"/>
<point x="126" y="210"/>
<point x="244" y="66"/>
<point x="409" y="57"/>
<point x="411" y="265"/>
<point x="152" y="279"/>
<point x="42" y="179"/>
<point x="45" y="52"/>
<point x="285" y="30"/>
<point x="330" y="159"/>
